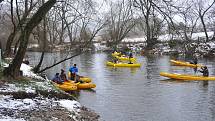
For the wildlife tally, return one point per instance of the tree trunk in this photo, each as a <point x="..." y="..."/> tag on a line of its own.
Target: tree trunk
<point x="10" y="39"/>
<point x="148" y="37"/>
<point x="15" y="48"/>
<point x="204" y="27"/>
<point x="1" y="48"/>
<point x="37" y="68"/>
<point x="48" y="67"/>
<point x="14" y="68"/>
<point x="148" y="31"/>
<point x="16" y="28"/>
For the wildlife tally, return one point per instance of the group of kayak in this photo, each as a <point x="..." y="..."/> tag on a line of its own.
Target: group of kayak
<point x="188" y="77"/>
<point x="74" y="81"/>
<point x="70" y="85"/>
<point x="121" y="60"/>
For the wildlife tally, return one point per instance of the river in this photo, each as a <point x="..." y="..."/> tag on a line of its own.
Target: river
<point x="139" y="94"/>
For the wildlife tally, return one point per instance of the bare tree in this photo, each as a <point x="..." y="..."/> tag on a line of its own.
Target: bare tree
<point x="82" y="27"/>
<point x="202" y="9"/>
<point x="120" y="22"/>
<point x="45" y="42"/>
<point x="14" y="68"/>
<point x="166" y="10"/>
<point x="190" y="18"/>
<point x="18" y="26"/>
<point x="145" y="6"/>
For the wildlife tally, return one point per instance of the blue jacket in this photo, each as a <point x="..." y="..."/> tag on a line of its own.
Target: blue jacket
<point x="57" y="79"/>
<point x="73" y="70"/>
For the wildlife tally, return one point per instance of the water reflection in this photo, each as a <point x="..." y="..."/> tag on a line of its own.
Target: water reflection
<point x="141" y="94"/>
<point x="174" y="81"/>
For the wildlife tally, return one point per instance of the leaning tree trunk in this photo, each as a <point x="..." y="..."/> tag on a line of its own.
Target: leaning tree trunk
<point x="14" y="68"/>
<point x="37" y="68"/>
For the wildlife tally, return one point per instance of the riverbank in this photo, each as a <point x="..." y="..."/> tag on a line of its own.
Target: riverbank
<point x="35" y="98"/>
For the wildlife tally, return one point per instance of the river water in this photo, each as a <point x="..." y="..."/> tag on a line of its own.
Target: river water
<point x="140" y="94"/>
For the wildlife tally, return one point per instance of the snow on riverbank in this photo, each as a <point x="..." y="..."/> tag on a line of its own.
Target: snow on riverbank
<point x="26" y="69"/>
<point x="72" y="106"/>
<point x="9" y="103"/>
<point x="19" y="105"/>
<point x="167" y="37"/>
<point x="10" y="119"/>
<point x="136" y="44"/>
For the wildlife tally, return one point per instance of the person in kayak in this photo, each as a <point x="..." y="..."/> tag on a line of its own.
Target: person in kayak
<point x="195" y="61"/>
<point x="74" y="74"/>
<point x="63" y="75"/>
<point x="195" y="69"/>
<point x="204" y="71"/>
<point x="57" y="79"/>
<point x="115" y="60"/>
<point x="130" y="55"/>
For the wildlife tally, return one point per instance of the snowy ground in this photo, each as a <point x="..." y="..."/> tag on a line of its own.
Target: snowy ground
<point x="38" y="107"/>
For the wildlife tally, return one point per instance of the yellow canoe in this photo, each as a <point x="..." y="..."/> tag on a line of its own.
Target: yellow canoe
<point x="86" y="85"/>
<point x="186" y="76"/>
<point x="83" y="78"/>
<point x="115" y="54"/>
<point x="82" y="85"/>
<point x="183" y="63"/>
<point x="122" y="64"/>
<point x="67" y="86"/>
<point x="126" y="58"/>
<point x="86" y="79"/>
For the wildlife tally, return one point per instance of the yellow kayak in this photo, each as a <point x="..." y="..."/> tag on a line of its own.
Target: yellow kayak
<point x="82" y="78"/>
<point x="123" y="64"/>
<point x="183" y="63"/>
<point x="126" y="58"/>
<point x="86" y="85"/>
<point x="86" y="79"/>
<point x="67" y="86"/>
<point x="82" y="85"/>
<point x="186" y="76"/>
<point x="115" y="54"/>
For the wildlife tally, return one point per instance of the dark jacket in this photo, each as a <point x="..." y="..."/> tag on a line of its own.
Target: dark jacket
<point x="204" y="71"/>
<point x="63" y="76"/>
<point x="57" y="79"/>
<point x="195" y="61"/>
